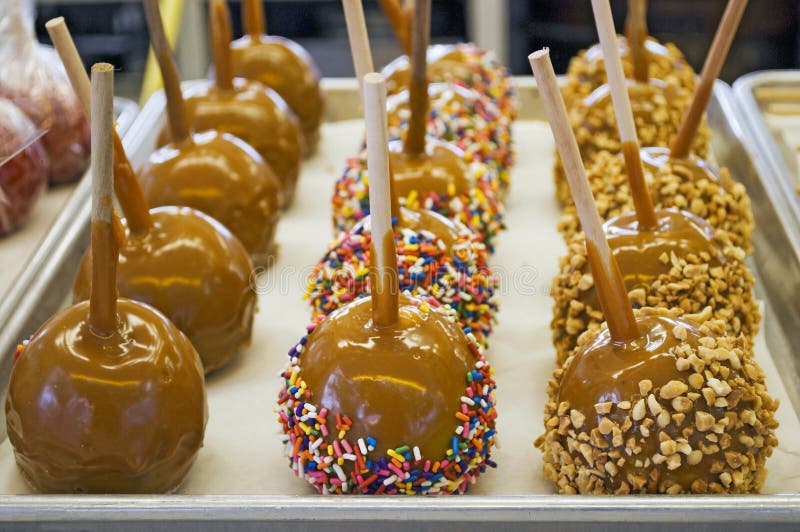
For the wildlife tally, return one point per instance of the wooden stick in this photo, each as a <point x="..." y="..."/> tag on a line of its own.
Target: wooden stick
<point x="643" y="203"/>
<point x="636" y="29"/>
<point x="176" y="111"/>
<point x="418" y="84"/>
<point x="126" y="186"/>
<point x="253" y="19"/>
<point x="383" y="251"/>
<point x="682" y="142"/>
<point x="359" y="39"/>
<point x="605" y="270"/>
<point x="221" y="35"/>
<point x="103" y="297"/>
<point x="399" y="21"/>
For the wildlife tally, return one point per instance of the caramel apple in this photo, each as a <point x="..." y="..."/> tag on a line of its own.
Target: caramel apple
<point x="108" y="396"/>
<point x="246" y="109"/>
<point x="652" y="402"/>
<point x="32" y="77"/>
<point x="426" y="173"/>
<point x="182" y="262"/>
<point x="392" y="386"/>
<point x="282" y="65"/>
<point x="213" y="172"/>
<point x="643" y="57"/>
<point x="23" y="167"/>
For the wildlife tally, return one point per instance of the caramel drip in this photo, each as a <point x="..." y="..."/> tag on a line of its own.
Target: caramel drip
<point x="642" y="201"/>
<point x="636" y="27"/>
<point x="221" y="33"/>
<point x="394" y="201"/>
<point x="418" y="85"/>
<point x="613" y="297"/>
<point x="253" y="18"/>
<point x="383" y="281"/>
<point x="441" y="170"/>
<point x="119" y="414"/>
<point x="400" y="385"/>
<point x="129" y="192"/>
<point x="399" y="21"/>
<point x="169" y="72"/>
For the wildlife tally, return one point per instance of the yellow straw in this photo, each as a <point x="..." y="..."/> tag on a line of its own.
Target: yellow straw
<point x="171" y="13"/>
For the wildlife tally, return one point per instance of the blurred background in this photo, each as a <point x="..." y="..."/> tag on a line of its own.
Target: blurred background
<point x="115" y="31"/>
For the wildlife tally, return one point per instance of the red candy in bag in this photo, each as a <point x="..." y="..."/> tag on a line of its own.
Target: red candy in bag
<point x="23" y="166"/>
<point x="32" y="76"/>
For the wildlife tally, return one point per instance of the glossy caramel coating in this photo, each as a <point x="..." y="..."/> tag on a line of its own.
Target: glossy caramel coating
<point x="194" y="271"/>
<point x="587" y="70"/>
<point x="123" y="414"/>
<point x="442" y="169"/>
<point x="681" y="263"/>
<point x="657" y="108"/>
<point x="424" y="220"/>
<point x="222" y="176"/>
<point x="255" y="114"/>
<point x="399" y="384"/>
<point x="690" y="184"/>
<point x="288" y="69"/>
<point x="683" y="409"/>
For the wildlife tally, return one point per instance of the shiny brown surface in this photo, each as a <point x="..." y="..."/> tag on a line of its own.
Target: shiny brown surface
<point x="194" y="271"/>
<point x="384" y="280"/>
<point x="609" y="287"/>
<point x="286" y="67"/>
<point x="223" y="177"/>
<point x="642" y="199"/>
<point x="400" y="385"/>
<point x="423" y="220"/>
<point x="604" y="371"/>
<point x="638" y="250"/>
<point x="445" y="63"/>
<point x="102" y="290"/>
<point x="124" y="414"/>
<point x="256" y="115"/>
<point x="441" y="169"/>
<point x="656" y="157"/>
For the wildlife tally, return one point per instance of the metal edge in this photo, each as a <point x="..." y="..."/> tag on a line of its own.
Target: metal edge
<point x="515" y="508"/>
<point x="767" y="153"/>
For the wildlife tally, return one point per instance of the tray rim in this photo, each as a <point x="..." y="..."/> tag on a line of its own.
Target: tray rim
<point x="679" y="509"/>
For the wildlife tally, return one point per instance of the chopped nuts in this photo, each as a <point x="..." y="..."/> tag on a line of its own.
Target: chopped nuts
<point x="673" y="389"/>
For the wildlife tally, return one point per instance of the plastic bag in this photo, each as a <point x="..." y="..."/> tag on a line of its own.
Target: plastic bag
<point x="32" y="76"/>
<point x="23" y="166"/>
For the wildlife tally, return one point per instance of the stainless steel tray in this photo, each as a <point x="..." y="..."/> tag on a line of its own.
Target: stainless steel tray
<point x="470" y="511"/>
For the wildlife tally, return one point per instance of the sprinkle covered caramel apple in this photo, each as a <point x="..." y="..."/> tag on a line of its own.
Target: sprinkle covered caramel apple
<point x="387" y="394"/>
<point x="177" y="259"/>
<point x="461" y="116"/>
<point x="282" y="65"/>
<point x="426" y="173"/>
<point x="108" y="396"/>
<point x="215" y="173"/>
<point x="246" y="109"/>
<point x="651" y="402"/>
<point x="643" y="57"/>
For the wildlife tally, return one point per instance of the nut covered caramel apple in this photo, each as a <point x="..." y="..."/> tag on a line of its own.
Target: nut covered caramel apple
<point x="119" y="414"/>
<point x="282" y="65"/>
<point x="681" y="263"/>
<point x="684" y="410"/>
<point x="215" y="173"/>
<point x="196" y="272"/>
<point x="108" y="396"/>
<point x="246" y="109"/>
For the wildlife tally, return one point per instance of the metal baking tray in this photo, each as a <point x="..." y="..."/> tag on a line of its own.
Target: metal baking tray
<point x="470" y="512"/>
